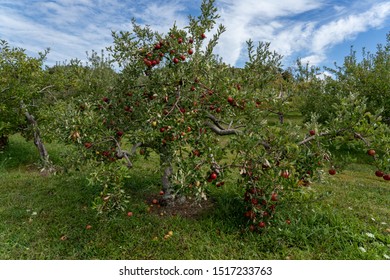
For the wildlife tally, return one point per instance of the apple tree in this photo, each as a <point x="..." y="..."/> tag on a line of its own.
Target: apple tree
<point x="368" y="77"/>
<point x="209" y="122"/>
<point x="22" y="90"/>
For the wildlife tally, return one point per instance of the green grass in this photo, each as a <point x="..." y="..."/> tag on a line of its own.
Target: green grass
<point x="348" y="212"/>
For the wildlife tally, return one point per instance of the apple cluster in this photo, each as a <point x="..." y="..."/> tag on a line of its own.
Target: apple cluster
<point x="175" y="49"/>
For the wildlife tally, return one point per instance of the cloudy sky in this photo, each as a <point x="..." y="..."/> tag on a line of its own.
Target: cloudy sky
<point x="319" y="31"/>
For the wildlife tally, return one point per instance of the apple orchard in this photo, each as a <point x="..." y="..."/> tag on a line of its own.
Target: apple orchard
<point x="209" y="124"/>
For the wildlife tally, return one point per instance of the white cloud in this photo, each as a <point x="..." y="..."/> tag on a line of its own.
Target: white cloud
<point x="330" y="34"/>
<point x="265" y="21"/>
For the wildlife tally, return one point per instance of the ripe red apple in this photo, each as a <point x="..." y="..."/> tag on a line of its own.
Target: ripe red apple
<point x="191" y="41"/>
<point x="250" y="214"/>
<point x="332" y="171"/>
<point x="203" y="36"/>
<point x="119" y="133"/>
<point x="161" y="192"/>
<point x="371" y="152"/>
<point x="386" y="177"/>
<point x="274" y="197"/>
<point x="193" y="88"/>
<point x="182" y="110"/>
<point x="285" y="174"/>
<point x="87" y="145"/>
<point x="196" y="153"/>
<point x="180" y="40"/>
<point x="218" y="110"/>
<point x="230" y="99"/>
<point x="147" y="62"/>
<point x="379" y="173"/>
<point x="213" y="176"/>
<point x="190" y="51"/>
<point x="220" y="184"/>
<point x="157" y="46"/>
<point x="261" y="224"/>
<point x="155" y="201"/>
<point x="129" y="214"/>
<point x="312" y="132"/>
<point x="162" y="129"/>
<point x="175" y="60"/>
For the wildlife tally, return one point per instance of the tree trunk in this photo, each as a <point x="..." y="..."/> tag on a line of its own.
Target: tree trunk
<point x="167" y="171"/>
<point x="47" y="164"/>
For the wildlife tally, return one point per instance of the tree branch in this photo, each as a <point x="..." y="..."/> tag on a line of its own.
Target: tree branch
<point x="222" y="131"/>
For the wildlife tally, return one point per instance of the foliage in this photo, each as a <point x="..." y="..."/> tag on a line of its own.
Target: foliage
<point x="20" y="86"/>
<point x="368" y="77"/>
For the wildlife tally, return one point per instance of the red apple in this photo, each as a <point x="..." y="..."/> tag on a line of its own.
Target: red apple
<point x="129" y="214"/>
<point x="386" y="177"/>
<point x="230" y="99"/>
<point x="193" y="88"/>
<point x="105" y="99"/>
<point x="250" y="214"/>
<point x="180" y="40"/>
<point x="213" y="176"/>
<point x="288" y="222"/>
<point x="191" y="40"/>
<point x="119" y="133"/>
<point x="155" y="201"/>
<point x="332" y="171"/>
<point x="371" y="152"/>
<point x="161" y="192"/>
<point x="379" y="173"/>
<point x="285" y="174"/>
<point x="203" y="36"/>
<point x="162" y="129"/>
<point x="175" y="60"/>
<point x="190" y="51"/>
<point x="87" y="145"/>
<point x="261" y="224"/>
<point x="312" y="132"/>
<point x="182" y="57"/>
<point x="274" y="197"/>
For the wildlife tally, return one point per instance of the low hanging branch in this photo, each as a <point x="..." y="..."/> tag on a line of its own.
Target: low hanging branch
<point x="356" y="135"/>
<point x="216" y="127"/>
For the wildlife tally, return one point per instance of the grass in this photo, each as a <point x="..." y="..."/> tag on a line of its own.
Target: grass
<point x="45" y="217"/>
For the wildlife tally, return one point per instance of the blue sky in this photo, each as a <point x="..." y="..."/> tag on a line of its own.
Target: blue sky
<point x="318" y="31"/>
